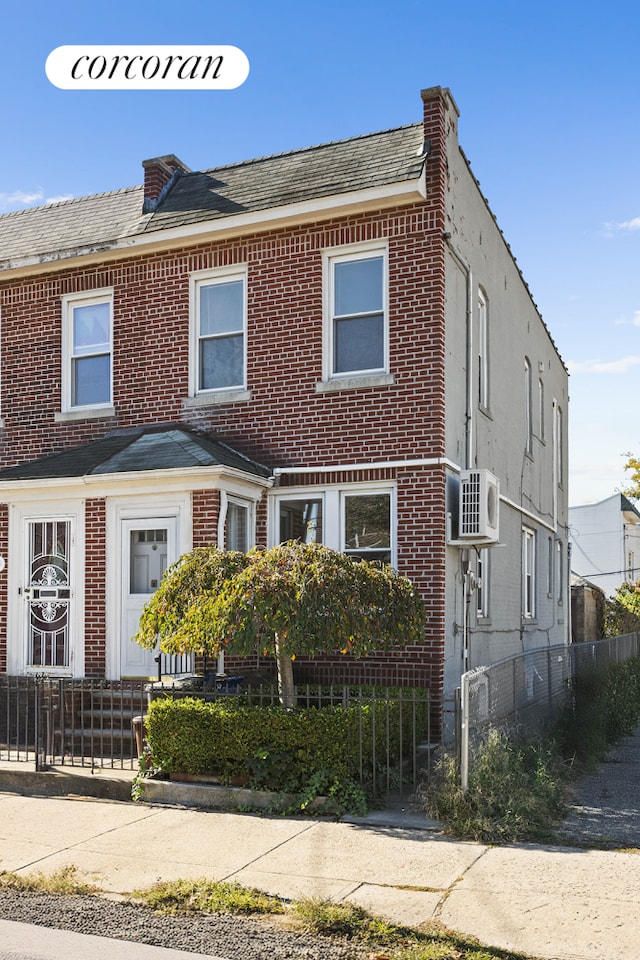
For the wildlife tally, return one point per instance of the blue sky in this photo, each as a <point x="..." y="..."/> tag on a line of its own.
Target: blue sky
<point x="550" y="121"/>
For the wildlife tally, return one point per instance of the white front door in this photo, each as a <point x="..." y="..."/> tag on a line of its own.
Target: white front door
<point x="149" y="546"/>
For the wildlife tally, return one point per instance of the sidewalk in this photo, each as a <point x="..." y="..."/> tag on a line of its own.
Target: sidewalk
<point x="557" y="903"/>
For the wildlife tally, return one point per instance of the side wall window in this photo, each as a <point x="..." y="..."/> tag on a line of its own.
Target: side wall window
<point x="528" y="420"/>
<point x="87" y="350"/>
<point x="483" y="351"/>
<point x="528" y="573"/>
<point x="482" y="589"/>
<point x="356" y="312"/>
<point x="218" y="330"/>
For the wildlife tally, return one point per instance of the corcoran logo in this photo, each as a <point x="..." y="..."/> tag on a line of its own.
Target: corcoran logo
<point x="147" y="67"/>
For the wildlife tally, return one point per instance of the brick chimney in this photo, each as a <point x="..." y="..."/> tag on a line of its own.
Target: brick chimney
<point x="160" y="174"/>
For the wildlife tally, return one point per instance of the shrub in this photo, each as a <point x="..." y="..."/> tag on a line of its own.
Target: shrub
<point x="307" y="751"/>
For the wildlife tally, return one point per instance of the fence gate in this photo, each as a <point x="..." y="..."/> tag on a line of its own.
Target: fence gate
<point x="58" y="722"/>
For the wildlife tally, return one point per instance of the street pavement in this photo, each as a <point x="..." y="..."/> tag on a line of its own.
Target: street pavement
<point x="553" y="902"/>
<point x="26" y="941"/>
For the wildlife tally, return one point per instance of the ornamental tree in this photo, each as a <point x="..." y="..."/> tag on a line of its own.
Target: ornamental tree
<point x="622" y="610"/>
<point x="295" y="598"/>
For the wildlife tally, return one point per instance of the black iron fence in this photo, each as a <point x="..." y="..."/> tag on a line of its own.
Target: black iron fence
<point x="92" y="723"/>
<point x="65" y="721"/>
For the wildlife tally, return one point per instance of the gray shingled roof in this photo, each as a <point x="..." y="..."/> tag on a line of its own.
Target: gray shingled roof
<point x="134" y="451"/>
<point x="96" y="223"/>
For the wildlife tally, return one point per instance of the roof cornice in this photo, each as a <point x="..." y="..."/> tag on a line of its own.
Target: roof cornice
<point x="399" y="193"/>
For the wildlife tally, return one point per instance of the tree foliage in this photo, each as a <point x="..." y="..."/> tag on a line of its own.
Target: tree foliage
<point x="633" y="466"/>
<point x="296" y="598"/>
<point x="622" y="610"/>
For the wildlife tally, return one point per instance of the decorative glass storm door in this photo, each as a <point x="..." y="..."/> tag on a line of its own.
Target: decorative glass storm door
<point x="48" y="594"/>
<point x="148" y="548"/>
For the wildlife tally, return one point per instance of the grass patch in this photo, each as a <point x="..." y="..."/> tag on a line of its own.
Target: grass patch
<point x="432" y="941"/>
<point x="516" y="791"/>
<point x="64" y="882"/>
<point x="207" y="896"/>
<point x="329" y="919"/>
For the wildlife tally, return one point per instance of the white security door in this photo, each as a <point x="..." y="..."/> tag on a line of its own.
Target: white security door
<point x="47" y="594"/>
<point x="149" y="546"/>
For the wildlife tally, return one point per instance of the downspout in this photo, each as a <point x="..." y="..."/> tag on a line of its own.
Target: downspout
<point x="222" y="521"/>
<point x="468" y="434"/>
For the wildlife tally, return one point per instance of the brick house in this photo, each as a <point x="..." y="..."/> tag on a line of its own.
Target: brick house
<point x="332" y="343"/>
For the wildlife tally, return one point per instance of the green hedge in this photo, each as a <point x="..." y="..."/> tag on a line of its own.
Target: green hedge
<point x="227" y="738"/>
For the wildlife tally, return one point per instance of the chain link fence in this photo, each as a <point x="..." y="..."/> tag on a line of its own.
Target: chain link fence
<point x="528" y="690"/>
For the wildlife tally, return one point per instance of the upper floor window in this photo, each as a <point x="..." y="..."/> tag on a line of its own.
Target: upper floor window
<point x="87" y="350"/>
<point x="483" y="351"/>
<point x="528" y="420"/>
<point x="356" y="311"/>
<point x="560" y="445"/>
<point x="218" y="310"/>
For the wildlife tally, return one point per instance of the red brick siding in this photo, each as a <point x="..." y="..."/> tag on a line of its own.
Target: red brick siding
<point x="285" y="421"/>
<point x="94" y="586"/>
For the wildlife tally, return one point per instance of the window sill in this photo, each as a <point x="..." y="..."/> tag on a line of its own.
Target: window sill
<point x="356" y="383"/>
<point x="214" y="399"/>
<point x="91" y="413"/>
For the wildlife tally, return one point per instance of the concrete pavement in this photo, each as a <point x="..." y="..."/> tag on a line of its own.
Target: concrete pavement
<point x="557" y="903"/>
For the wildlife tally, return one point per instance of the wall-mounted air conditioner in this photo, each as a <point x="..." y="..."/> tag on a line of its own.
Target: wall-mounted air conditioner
<point x="479" y="507"/>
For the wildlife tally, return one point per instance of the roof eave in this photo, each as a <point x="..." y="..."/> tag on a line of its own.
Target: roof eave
<point x="104" y="484"/>
<point x="402" y="192"/>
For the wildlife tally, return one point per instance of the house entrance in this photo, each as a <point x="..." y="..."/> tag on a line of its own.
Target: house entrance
<point x="47" y="594"/>
<point x="148" y="548"/>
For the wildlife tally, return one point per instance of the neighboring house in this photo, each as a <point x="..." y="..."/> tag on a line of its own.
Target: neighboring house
<point x="333" y="343"/>
<point x="587" y="610"/>
<point x="605" y="542"/>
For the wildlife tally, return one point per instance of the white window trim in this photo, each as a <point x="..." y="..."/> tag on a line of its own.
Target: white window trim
<point x="333" y="504"/>
<point x="359" y="251"/>
<point x="529" y="536"/>
<point x="69" y="303"/>
<point x="197" y="280"/>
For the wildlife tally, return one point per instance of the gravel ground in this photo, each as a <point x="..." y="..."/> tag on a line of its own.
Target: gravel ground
<point x="223" y="936"/>
<point x="605" y="811"/>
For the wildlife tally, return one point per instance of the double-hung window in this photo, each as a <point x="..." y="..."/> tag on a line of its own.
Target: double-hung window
<point x="87" y="348"/>
<point x="219" y="310"/>
<point x="357" y="312"/>
<point x="239" y="525"/>
<point x="528" y="573"/>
